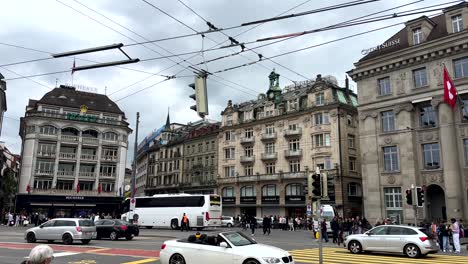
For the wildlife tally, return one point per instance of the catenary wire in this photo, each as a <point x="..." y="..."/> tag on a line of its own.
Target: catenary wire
<point x="25" y="77"/>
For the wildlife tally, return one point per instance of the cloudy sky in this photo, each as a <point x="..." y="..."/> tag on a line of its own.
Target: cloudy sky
<point x="53" y="26"/>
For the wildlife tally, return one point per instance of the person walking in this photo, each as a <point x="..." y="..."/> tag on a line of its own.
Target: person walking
<point x="291" y="224"/>
<point x="324" y="231"/>
<point x="445" y="236"/>
<point x="253" y="224"/>
<point x="266" y="225"/>
<point x="185" y="223"/>
<point x="455" y="228"/>
<point x="341" y="230"/>
<point x="335" y="229"/>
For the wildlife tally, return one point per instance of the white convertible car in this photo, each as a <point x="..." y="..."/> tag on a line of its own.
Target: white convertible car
<point x="224" y="248"/>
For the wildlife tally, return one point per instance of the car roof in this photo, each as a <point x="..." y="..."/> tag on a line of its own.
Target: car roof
<point x="405" y="226"/>
<point x="70" y="219"/>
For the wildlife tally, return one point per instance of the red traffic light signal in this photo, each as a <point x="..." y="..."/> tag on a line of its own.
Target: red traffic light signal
<point x="317" y="186"/>
<point x="409" y="197"/>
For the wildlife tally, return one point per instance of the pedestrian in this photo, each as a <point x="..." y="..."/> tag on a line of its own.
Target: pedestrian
<point x="335" y="229"/>
<point x="253" y="224"/>
<point x="445" y="236"/>
<point x="291" y="224"/>
<point x="184" y="223"/>
<point x="266" y="225"/>
<point x="341" y="230"/>
<point x="455" y="228"/>
<point x="41" y="254"/>
<point x="324" y="231"/>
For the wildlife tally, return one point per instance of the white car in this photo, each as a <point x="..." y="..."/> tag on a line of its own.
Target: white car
<point x="225" y="248"/>
<point x="227" y="221"/>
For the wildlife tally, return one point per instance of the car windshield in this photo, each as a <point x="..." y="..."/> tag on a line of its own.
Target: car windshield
<point x="86" y="223"/>
<point x="239" y="239"/>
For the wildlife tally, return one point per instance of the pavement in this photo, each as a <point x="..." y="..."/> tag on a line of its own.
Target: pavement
<point x="145" y="249"/>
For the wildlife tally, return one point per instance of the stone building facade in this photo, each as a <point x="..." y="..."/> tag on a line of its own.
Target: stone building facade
<point x="267" y="145"/>
<point x="408" y="135"/>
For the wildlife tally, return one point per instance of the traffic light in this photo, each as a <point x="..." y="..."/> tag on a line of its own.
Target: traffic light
<point x="200" y="96"/>
<point x="409" y="197"/>
<point x="316" y="186"/>
<point x="420" y="196"/>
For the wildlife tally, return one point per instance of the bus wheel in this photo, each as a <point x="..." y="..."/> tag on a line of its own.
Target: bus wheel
<point x="174" y="224"/>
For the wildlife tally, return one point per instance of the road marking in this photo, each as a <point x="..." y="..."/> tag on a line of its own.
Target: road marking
<point x="96" y="250"/>
<point x="141" y="261"/>
<point x="64" y="254"/>
<point x="88" y="261"/>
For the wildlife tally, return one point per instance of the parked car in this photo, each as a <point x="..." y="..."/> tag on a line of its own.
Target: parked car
<point x="411" y="241"/>
<point x="227" y="221"/>
<point x="65" y="229"/>
<point x="115" y="229"/>
<point x="225" y="247"/>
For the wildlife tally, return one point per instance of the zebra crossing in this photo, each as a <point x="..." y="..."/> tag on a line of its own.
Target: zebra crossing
<point x="342" y="256"/>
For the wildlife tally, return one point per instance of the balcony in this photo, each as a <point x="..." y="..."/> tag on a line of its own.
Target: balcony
<point x="69" y="156"/>
<point x="293" y="153"/>
<point x="66" y="173"/>
<point x="88" y="157"/>
<point x="90" y="141"/>
<point x="87" y="174"/>
<point x="87" y="119"/>
<point x="109" y="158"/>
<point x="44" y="173"/>
<point x="247" y="140"/>
<point x="270" y="156"/>
<point x="247" y="159"/>
<point x="106" y="175"/>
<point x="110" y="142"/>
<point x="46" y="154"/>
<point x="262" y="115"/>
<point x="293" y="132"/>
<point x="70" y="139"/>
<point x="270" y="136"/>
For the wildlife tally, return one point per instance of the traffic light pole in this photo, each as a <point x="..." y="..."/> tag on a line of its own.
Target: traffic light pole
<point x="320" y="231"/>
<point x="415" y="204"/>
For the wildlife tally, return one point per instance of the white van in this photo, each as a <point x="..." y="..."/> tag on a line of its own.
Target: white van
<point x="328" y="213"/>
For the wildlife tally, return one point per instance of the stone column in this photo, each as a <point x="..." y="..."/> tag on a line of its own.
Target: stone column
<point x="78" y="158"/>
<point x="449" y="154"/>
<point x="56" y="164"/>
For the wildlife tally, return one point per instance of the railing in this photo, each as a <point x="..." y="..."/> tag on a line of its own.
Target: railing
<point x="88" y="157"/>
<point x="247" y="158"/>
<point x="107" y="175"/>
<point x="110" y="141"/>
<point x="90" y="140"/>
<point x="67" y="155"/>
<point x="293" y="132"/>
<point x="71" y="193"/>
<point x="269" y="156"/>
<point x="86" y="174"/>
<point x="68" y="117"/>
<point x="66" y="138"/>
<point x="66" y="173"/>
<point x="293" y="153"/>
<point x="109" y="158"/>
<point x="44" y="173"/>
<point x="262" y="115"/>
<point x="46" y="154"/>
<point x="245" y="140"/>
<point x="269" y="136"/>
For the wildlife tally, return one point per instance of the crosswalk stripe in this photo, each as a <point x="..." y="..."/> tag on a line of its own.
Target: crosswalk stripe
<point x="335" y="255"/>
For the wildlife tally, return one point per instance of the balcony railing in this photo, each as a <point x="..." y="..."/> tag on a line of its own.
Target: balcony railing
<point x="46" y="154"/>
<point x="74" y="117"/>
<point x="270" y="156"/>
<point x="72" y="139"/>
<point x="293" y="132"/>
<point x="110" y="141"/>
<point x="247" y="140"/>
<point x="109" y="158"/>
<point x="88" y="157"/>
<point x="86" y="174"/>
<point x="66" y="173"/>
<point x="270" y="136"/>
<point x="44" y="173"/>
<point x="90" y="140"/>
<point x="67" y="156"/>
<point x="245" y="159"/>
<point x="292" y="153"/>
<point x="107" y="175"/>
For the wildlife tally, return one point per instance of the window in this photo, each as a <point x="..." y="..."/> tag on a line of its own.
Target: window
<point x="86" y="186"/>
<point x="229" y="171"/>
<point x="293" y="104"/>
<point x="294" y="166"/>
<point x="200" y="148"/>
<point x="352" y="164"/>
<point x="229" y="153"/>
<point x="457" y="23"/>
<point x="109" y="153"/>
<point x="354" y="189"/>
<point x="427" y="116"/>
<point x="248" y="115"/>
<point x="391" y="158"/>
<point x="43" y="184"/>
<point x="431" y="156"/>
<point x="465" y="146"/>
<point x="107" y="187"/>
<point x="48" y="130"/>
<point x="64" y="185"/>
<point x="351" y="141"/>
<point x="461" y="67"/>
<point x="270" y="148"/>
<point x="248" y="170"/>
<point x="111" y="136"/>
<point x="384" y="86"/>
<point x="350" y="120"/>
<point x="388" y="121"/>
<point x="228" y="192"/>
<point x="319" y="99"/>
<point x="269" y="129"/>
<point x="269" y="190"/>
<point x="108" y="170"/>
<point x="326" y="118"/>
<point x="45" y="166"/>
<point x="328" y="164"/>
<point x="417" y="36"/>
<point x="51" y="112"/>
<point x="248" y="191"/>
<point x="393" y="198"/>
<point x="420" y="78"/>
<point x="90" y="133"/>
<point x="322" y="140"/>
<point x="294" y="144"/>
<point x="318" y="119"/>
<point x="47" y="149"/>
<point x="270" y="168"/>
<point x="248" y="133"/>
<point x="293" y="127"/>
<point x="229" y="135"/>
<point x="295" y="189"/>
<point x="249" y="151"/>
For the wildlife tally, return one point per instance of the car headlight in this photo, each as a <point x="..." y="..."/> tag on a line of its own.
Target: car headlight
<point x="272" y="260"/>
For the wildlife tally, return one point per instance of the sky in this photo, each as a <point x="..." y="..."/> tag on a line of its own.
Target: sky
<point x="53" y="26"/>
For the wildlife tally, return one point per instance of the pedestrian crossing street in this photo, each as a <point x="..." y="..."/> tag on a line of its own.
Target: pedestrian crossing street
<point x="343" y="256"/>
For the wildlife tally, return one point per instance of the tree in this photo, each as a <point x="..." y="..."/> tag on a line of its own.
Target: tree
<point x="8" y="188"/>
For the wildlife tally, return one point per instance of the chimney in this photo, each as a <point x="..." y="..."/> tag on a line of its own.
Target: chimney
<point x="319" y="78"/>
<point x="347" y="84"/>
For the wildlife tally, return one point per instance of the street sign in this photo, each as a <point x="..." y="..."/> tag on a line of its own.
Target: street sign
<point x="309" y="209"/>
<point x="132" y="204"/>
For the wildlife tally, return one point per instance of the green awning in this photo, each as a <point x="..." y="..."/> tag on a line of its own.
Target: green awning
<point x="354" y="100"/>
<point x="341" y="97"/>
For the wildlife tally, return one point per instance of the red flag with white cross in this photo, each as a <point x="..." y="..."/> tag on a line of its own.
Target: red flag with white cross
<point x="450" y="93"/>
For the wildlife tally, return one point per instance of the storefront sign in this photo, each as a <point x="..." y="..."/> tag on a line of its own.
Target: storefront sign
<point x="295" y="199"/>
<point x="387" y="44"/>
<point x="229" y="200"/>
<point x="270" y="199"/>
<point x="78" y="117"/>
<point x="74" y="197"/>
<point x="248" y="200"/>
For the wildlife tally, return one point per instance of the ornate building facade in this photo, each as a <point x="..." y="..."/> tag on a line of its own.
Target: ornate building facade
<point x="408" y="135"/>
<point x="268" y="145"/>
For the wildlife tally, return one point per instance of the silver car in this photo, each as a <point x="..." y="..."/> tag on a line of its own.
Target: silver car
<point x="65" y="229"/>
<point x="411" y="241"/>
<point x="227" y="221"/>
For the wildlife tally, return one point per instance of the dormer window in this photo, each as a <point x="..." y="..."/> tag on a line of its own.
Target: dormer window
<point x="417" y="36"/>
<point x="457" y="23"/>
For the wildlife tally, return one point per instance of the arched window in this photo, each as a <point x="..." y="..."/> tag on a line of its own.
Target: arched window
<point x="248" y="191"/>
<point x="90" y="133"/>
<point x="48" y="130"/>
<point x="228" y="192"/>
<point x="69" y="131"/>
<point x="269" y="190"/>
<point x="354" y="189"/>
<point x="111" y="136"/>
<point x="294" y="189"/>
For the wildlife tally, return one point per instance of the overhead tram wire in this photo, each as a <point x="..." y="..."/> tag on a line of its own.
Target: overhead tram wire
<point x="26" y="77"/>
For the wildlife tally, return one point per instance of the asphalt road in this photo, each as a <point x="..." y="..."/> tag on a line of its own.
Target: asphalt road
<point x="145" y="249"/>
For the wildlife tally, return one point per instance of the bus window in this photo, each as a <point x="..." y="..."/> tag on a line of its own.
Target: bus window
<point x="126" y="206"/>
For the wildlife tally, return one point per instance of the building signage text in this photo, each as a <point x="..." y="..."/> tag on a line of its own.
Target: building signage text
<point x="78" y="117"/>
<point x="74" y="197"/>
<point x="387" y="44"/>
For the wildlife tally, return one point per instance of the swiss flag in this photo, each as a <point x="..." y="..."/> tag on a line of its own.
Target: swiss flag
<point x="28" y="189"/>
<point x="78" y="187"/>
<point x="99" y="188"/>
<point x="450" y="93"/>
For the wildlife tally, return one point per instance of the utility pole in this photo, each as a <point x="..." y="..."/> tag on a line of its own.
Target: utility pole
<point x="415" y="204"/>
<point x="135" y="155"/>
<point x="319" y="206"/>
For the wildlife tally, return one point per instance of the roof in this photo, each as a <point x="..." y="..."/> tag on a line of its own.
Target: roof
<point x="68" y="96"/>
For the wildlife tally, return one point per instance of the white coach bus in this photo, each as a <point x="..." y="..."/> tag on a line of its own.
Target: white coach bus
<point x="166" y="210"/>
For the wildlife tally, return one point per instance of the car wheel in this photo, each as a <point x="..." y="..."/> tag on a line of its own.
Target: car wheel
<point x="50" y="241"/>
<point x="177" y="259"/>
<point x="355" y="247"/>
<point x="85" y="241"/>
<point x="412" y="251"/>
<point x="113" y="235"/>
<point x="229" y="225"/>
<point x="251" y="261"/>
<point x="129" y="237"/>
<point x="174" y="224"/>
<point x="31" y="237"/>
<point x="67" y="239"/>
